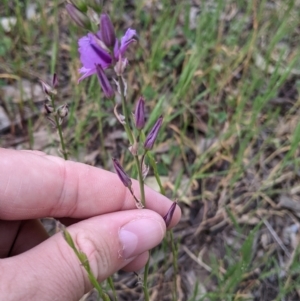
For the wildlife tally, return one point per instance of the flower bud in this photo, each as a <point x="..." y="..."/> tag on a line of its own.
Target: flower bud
<point x="139" y="114"/>
<point x="150" y="139"/>
<point x="168" y="217"/>
<point x="104" y="82"/>
<point x="78" y="17"/>
<point x="46" y="88"/>
<point x="48" y="108"/>
<point x="54" y="80"/>
<point x="63" y="111"/>
<point x="125" y="179"/>
<point x="107" y="31"/>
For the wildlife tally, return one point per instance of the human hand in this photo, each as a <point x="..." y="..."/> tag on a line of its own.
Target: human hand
<point x="103" y="221"/>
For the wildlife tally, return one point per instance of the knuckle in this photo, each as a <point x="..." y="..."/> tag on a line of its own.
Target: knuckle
<point x="97" y="250"/>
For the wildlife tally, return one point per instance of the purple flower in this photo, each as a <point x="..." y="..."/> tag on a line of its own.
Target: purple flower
<point x="125" y="179"/>
<point x="104" y="82"/>
<point x="168" y="217"/>
<point x="139" y="114"/>
<point x="93" y="49"/>
<point x="150" y="139"/>
<point x="107" y="31"/>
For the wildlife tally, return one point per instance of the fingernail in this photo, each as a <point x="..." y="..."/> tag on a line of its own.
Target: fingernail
<point x="140" y="235"/>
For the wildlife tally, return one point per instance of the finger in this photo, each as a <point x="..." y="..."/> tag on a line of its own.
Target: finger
<point x="35" y="186"/>
<point x="20" y="236"/>
<point x="30" y="234"/>
<point x="110" y="242"/>
<point x="8" y="233"/>
<point x="35" y="152"/>
<point x="137" y="263"/>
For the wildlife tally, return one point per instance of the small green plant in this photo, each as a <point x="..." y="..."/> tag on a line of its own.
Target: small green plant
<point x="100" y="51"/>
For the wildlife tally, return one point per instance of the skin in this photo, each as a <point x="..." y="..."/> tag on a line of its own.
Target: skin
<point x="100" y="214"/>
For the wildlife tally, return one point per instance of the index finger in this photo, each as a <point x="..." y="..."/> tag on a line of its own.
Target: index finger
<point x="34" y="186"/>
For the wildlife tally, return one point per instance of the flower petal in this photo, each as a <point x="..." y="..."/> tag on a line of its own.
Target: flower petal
<point x="107" y="31"/>
<point x="139" y="115"/>
<point x="129" y="37"/>
<point x="125" y="179"/>
<point x="151" y="137"/>
<point x="104" y="82"/>
<point x="86" y="73"/>
<point x="91" y="53"/>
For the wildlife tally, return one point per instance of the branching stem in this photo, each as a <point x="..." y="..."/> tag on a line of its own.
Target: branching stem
<point x="59" y="129"/>
<point x="131" y="139"/>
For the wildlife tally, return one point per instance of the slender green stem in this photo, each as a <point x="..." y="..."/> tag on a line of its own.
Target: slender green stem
<point x="85" y="263"/>
<point x="141" y="180"/>
<point x="170" y="233"/>
<point x="59" y="129"/>
<point x="125" y="111"/>
<point x="154" y="167"/>
<point x="156" y="174"/>
<point x="131" y="139"/>
<point x="96" y="284"/>
<point x="100" y="125"/>
<point x="145" y="286"/>
<point x="174" y="260"/>
<point x="55" y="40"/>
<point x="139" y="164"/>
<point x="112" y="287"/>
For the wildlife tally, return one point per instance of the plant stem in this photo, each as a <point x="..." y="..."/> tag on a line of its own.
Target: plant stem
<point x="145" y="287"/>
<point x="112" y="287"/>
<point x="131" y="139"/>
<point x="170" y="232"/>
<point x="174" y="260"/>
<point x="102" y="147"/>
<point x="125" y="111"/>
<point x="156" y="174"/>
<point x="154" y="167"/>
<point x="85" y="263"/>
<point x="96" y="284"/>
<point x="141" y="180"/>
<point x="61" y="138"/>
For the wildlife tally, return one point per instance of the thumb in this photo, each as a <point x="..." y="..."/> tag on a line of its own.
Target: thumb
<point x="53" y="272"/>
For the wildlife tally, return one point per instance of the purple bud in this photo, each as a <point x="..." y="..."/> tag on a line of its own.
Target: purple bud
<point x="168" y="217"/>
<point x="54" y="80"/>
<point x="104" y="82"/>
<point x="121" y="173"/>
<point x="48" y="108"/>
<point x="107" y="31"/>
<point x="77" y="16"/>
<point x="139" y="114"/>
<point x="46" y="88"/>
<point x="150" y="139"/>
